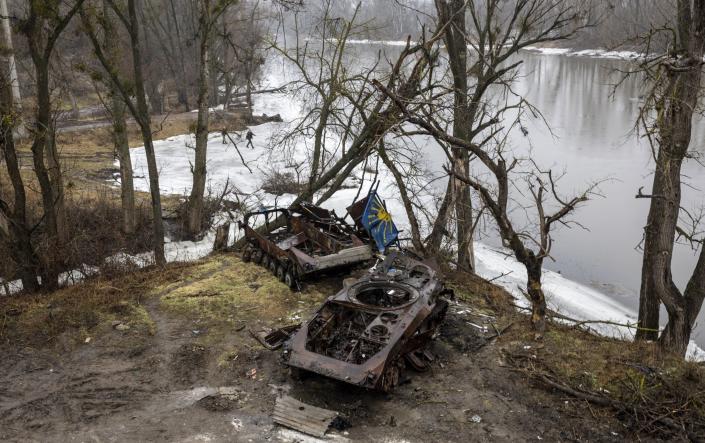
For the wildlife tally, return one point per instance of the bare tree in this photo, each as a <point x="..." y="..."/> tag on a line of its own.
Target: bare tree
<point x="117" y="110"/>
<point x="475" y="124"/>
<point x="171" y="26"/>
<point x="138" y="106"/>
<point x="243" y="53"/>
<point x="15" y="228"/>
<point x="42" y="27"/>
<point x="195" y="201"/>
<point x="207" y="22"/>
<point x="361" y="114"/>
<point x="465" y="108"/>
<point x="326" y="83"/>
<point x="667" y="118"/>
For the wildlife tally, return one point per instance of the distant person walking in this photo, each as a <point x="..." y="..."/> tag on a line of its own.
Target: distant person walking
<point x="249" y="139"/>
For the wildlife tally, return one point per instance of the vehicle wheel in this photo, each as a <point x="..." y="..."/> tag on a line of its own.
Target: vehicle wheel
<point x="256" y="256"/>
<point x="265" y="260"/>
<point x="247" y="254"/>
<point x="280" y="273"/>
<point x="273" y="265"/>
<point x="290" y="280"/>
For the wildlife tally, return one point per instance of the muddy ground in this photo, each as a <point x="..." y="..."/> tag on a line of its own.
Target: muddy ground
<point x="161" y="383"/>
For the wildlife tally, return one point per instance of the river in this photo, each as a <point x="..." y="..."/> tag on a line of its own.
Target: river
<point x="593" y="139"/>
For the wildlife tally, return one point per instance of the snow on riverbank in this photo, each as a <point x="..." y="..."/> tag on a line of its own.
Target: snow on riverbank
<point x="593" y="53"/>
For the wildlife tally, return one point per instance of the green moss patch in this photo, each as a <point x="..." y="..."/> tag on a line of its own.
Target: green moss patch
<point x="223" y="291"/>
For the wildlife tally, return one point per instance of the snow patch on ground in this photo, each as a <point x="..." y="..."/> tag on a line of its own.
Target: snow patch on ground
<point x="293" y="436"/>
<point x="565" y="296"/>
<point x="376" y="42"/>
<point x="594" y="53"/>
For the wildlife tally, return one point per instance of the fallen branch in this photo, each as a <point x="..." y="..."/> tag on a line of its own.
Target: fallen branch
<point x="503" y="274"/>
<point x="578" y="323"/>
<point x="620" y="406"/>
<point x="238" y="150"/>
<point x="261" y="91"/>
<point x="595" y="399"/>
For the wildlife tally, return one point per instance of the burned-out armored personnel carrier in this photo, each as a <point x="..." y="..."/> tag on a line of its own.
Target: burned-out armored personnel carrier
<point x="312" y="240"/>
<point x="369" y="331"/>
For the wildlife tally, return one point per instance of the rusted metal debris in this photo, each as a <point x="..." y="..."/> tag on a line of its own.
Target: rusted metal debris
<point x="367" y="333"/>
<point x="273" y="339"/>
<point x="313" y="240"/>
<point x="302" y="417"/>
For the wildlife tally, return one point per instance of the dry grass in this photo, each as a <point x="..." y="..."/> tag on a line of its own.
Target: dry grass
<point x="224" y="293"/>
<point x="653" y="393"/>
<point x="280" y="183"/>
<point x="72" y="313"/>
<point x="220" y="294"/>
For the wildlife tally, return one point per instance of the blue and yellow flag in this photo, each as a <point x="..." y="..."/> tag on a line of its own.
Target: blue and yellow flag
<point x="378" y="222"/>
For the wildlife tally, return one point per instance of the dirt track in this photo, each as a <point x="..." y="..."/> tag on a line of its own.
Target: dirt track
<point x="124" y="386"/>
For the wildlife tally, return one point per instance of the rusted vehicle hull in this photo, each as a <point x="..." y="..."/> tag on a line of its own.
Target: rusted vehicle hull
<point x="367" y="332"/>
<point x="313" y="240"/>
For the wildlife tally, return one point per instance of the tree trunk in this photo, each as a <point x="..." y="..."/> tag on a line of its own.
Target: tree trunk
<point x="660" y="231"/>
<point x="13" y="79"/>
<point x="17" y="232"/>
<point x="183" y="86"/>
<point x="57" y="182"/>
<point x="440" y="228"/>
<point x="454" y="11"/>
<point x="143" y="119"/>
<point x="221" y="237"/>
<point x="120" y="139"/>
<point x="195" y="214"/>
<point x="536" y="295"/>
<point x="681" y="320"/>
<point x="463" y="214"/>
<point x="676" y="334"/>
<point x="227" y="70"/>
<point x="317" y="138"/>
<point x="49" y="271"/>
<point x="248" y="95"/>
<point x="212" y="69"/>
<point x="41" y="43"/>
<point x="676" y="103"/>
<point x="122" y="148"/>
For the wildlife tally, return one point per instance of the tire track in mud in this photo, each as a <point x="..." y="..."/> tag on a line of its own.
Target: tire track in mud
<point x="42" y="394"/>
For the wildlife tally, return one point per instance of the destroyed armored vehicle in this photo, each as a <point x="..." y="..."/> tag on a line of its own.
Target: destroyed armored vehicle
<point x="312" y="240"/>
<point x="367" y="333"/>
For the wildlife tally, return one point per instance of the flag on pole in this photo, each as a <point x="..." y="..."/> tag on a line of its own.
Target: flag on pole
<point x="378" y="222"/>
